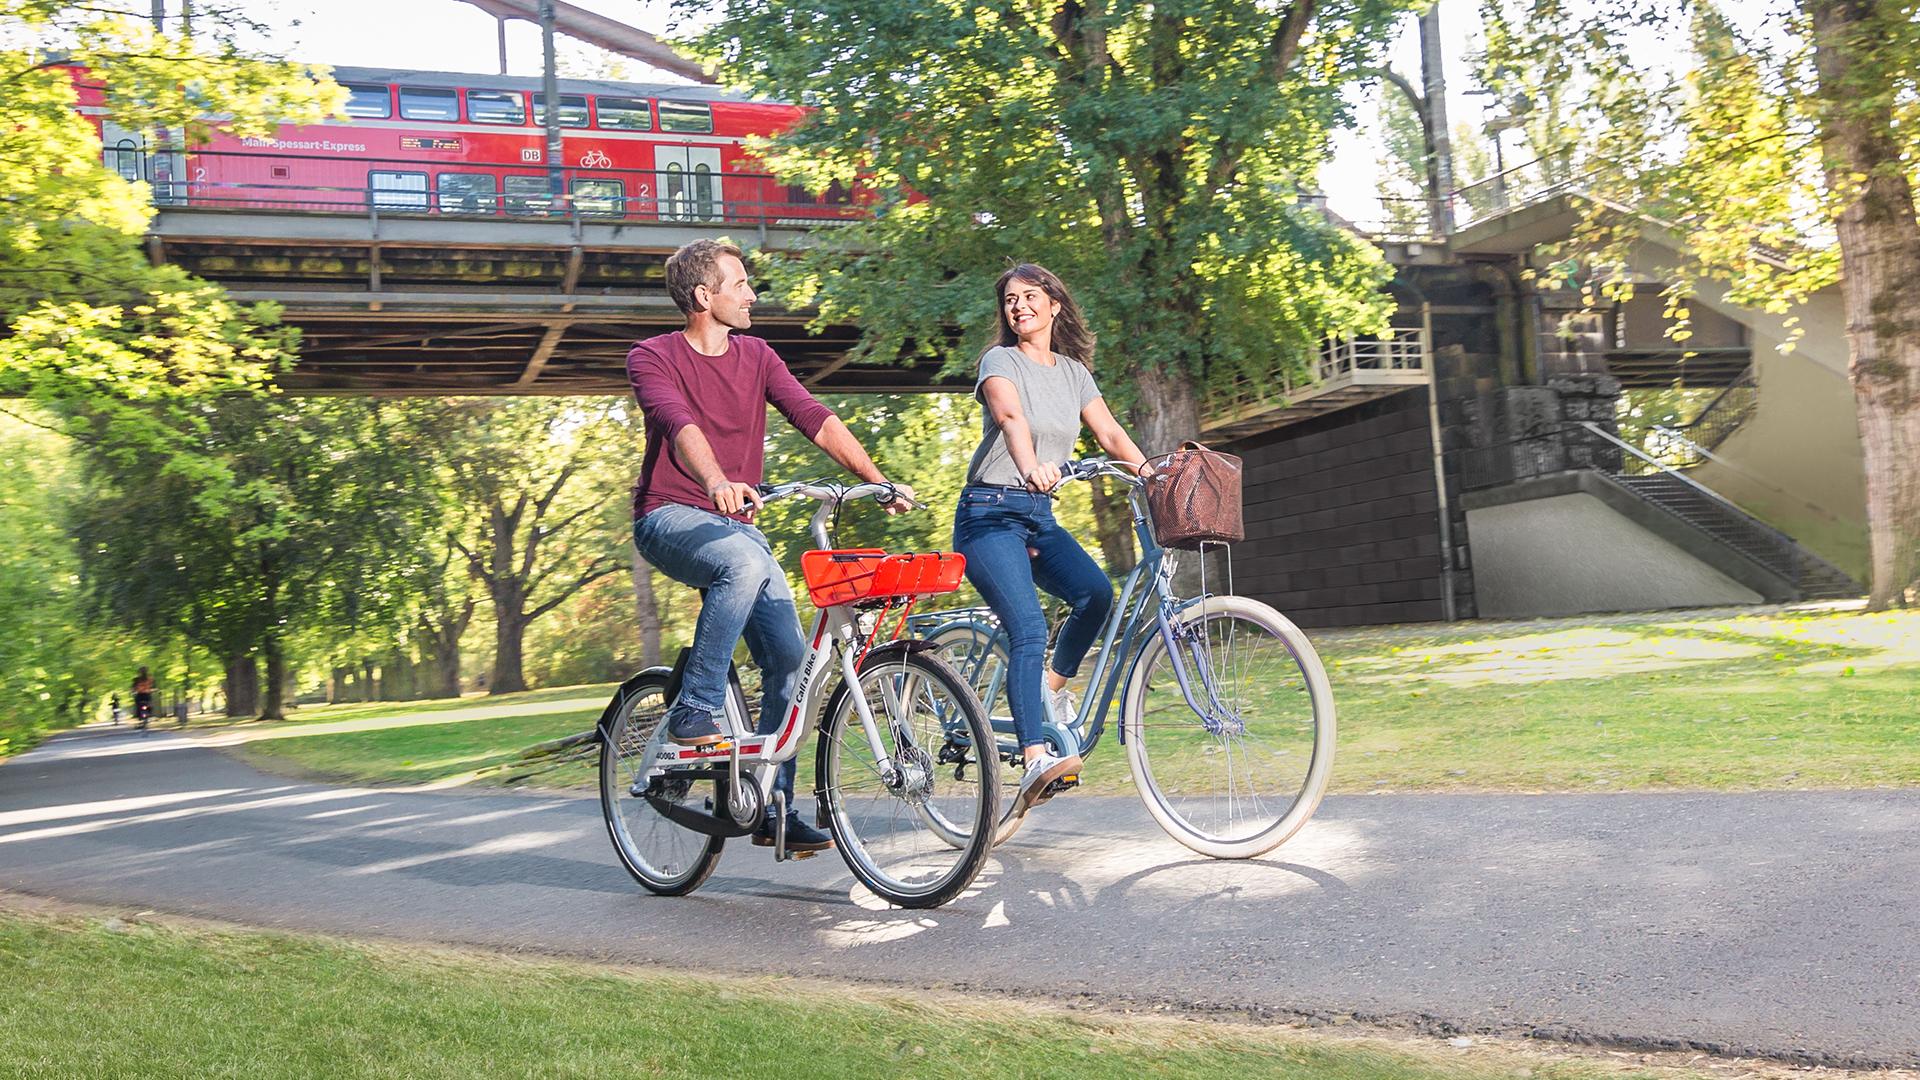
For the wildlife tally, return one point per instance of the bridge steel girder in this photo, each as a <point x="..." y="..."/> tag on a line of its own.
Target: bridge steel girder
<point x="424" y="305"/>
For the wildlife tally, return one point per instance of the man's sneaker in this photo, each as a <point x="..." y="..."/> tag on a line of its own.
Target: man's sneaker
<point x="800" y="835"/>
<point x="691" y="727"/>
<point x="1042" y="772"/>
<point x="1062" y="704"/>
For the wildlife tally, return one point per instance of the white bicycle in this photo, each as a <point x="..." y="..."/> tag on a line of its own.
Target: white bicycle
<point x="898" y="775"/>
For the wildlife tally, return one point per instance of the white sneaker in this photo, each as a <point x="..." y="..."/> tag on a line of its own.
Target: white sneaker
<point x="1040" y="775"/>
<point x="1064" y="706"/>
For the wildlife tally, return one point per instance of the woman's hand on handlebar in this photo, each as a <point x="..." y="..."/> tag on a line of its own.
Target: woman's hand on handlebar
<point x="730" y="498"/>
<point x="1044" y="478"/>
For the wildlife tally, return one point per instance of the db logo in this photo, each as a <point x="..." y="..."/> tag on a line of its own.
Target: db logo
<point x="595" y="159"/>
<point x="530" y="153"/>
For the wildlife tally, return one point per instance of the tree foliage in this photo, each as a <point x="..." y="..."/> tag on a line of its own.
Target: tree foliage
<point x="86" y="315"/>
<point x="1153" y="154"/>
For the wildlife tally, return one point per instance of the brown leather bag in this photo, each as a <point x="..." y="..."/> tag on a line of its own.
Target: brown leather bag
<point x="1193" y="495"/>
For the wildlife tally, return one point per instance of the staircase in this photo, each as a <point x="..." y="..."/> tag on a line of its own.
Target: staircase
<point x="1811" y="576"/>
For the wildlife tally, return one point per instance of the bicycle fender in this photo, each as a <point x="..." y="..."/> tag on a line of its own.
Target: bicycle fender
<point x="893" y="650"/>
<point x="627" y="689"/>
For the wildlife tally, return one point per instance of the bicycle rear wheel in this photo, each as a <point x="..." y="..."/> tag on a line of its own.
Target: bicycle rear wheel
<point x="883" y="810"/>
<point x="1241" y="774"/>
<point x="665" y="857"/>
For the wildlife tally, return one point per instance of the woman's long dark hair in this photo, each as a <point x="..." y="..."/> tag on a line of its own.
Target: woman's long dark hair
<point x="1071" y="338"/>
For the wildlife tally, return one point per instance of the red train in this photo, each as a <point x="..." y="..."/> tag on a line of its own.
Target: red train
<point x="434" y="142"/>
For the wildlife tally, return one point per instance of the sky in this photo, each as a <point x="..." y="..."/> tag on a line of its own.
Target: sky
<point x="450" y="35"/>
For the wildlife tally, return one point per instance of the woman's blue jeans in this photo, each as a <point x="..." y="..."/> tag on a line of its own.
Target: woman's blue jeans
<point x="746" y="595"/>
<point x="1013" y="548"/>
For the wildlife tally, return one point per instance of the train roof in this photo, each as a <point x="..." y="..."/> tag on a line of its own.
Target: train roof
<point x="476" y="81"/>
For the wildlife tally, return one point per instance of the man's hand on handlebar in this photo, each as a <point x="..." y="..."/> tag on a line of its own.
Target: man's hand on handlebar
<point x="730" y="498"/>
<point x="902" y="501"/>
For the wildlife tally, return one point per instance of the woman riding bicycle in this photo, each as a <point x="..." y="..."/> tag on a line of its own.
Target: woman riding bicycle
<point x="1037" y="388"/>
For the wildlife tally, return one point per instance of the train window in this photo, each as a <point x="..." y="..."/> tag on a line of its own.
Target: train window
<point x="125" y="159"/>
<point x="573" y="110"/>
<point x="397" y="190"/>
<point x="369" y="102"/>
<point x="527" y="195"/>
<point x="601" y="197"/>
<point x="421" y="104"/>
<point x="625" y="114"/>
<point x="693" y="116"/>
<point x="466" y="193"/>
<point x="703" y="201"/>
<point x="495" y="107"/>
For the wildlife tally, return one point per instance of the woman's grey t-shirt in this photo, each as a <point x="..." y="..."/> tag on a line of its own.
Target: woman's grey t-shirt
<point x="1051" y="399"/>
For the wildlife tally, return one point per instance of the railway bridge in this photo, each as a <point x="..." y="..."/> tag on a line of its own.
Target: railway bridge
<point x="403" y="299"/>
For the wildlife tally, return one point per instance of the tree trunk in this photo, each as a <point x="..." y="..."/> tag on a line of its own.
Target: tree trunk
<point x="509" y="634"/>
<point x="273" y="705"/>
<point x="243" y="686"/>
<point x="1113" y="524"/>
<point x="1167" y="412"/>
<point x="647" y="611"/>
<point x="1880" y="261"/>
<point x="446" y="666"/>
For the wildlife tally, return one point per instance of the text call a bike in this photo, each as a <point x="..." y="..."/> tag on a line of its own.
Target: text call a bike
<point x="1226" y="712"/>
<point x="897" y="774"/>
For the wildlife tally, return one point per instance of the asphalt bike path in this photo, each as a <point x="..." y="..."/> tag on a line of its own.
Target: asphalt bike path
<point x="1772" y="924"/>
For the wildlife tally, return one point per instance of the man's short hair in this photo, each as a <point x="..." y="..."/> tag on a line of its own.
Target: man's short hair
<point x="694" y="265"/>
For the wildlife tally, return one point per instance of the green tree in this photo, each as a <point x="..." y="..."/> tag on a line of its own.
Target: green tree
<point x="86" y="314"/>
<point x="1787" y="168"/>
<point x="1154" y="154"/>
<point x="280" y="524"/>
<point x="534" y="483"/>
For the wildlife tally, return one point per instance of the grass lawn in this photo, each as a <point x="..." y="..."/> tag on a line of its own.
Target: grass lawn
<point x="1769" y="700"/>
<point x="107" y="998"/>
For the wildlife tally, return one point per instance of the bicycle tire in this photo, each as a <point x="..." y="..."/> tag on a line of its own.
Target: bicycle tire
<point x="842" y="738"/>
<point x="628" y="738"/>
<point x="981" y="646"/>
<point x="1143" y="745"/>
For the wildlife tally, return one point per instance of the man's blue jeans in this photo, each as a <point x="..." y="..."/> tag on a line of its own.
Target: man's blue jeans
<point x="1013" y="544"/>
<point x="747" y="595"/>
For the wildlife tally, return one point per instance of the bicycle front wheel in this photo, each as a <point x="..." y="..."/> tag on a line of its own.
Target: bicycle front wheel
<point x="936" y="750"/>
<point x="1234" y="763"/>
<point x="662" y="855"/>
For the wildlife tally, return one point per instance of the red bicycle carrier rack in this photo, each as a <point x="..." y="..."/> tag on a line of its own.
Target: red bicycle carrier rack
<point x="862" y="575"/>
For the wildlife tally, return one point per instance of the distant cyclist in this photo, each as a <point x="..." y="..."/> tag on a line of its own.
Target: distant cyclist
<point x="1037" y="386"/>
<point x="705" y="392"/>
<point x="142" y="697"/>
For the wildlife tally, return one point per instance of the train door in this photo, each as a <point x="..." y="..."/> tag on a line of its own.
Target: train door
<point x="688" y="182"/>
<point x="126" y="153"/>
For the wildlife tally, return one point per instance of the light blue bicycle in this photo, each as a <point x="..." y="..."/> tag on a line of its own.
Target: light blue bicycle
<point x="1225" y="709"/>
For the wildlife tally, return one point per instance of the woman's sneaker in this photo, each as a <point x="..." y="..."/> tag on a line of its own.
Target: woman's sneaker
<point x="1042" y="773"/>
<point x="1063" y="705"/>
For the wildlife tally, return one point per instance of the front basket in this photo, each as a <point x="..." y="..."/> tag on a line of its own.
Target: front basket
<point x="857" y="574"/>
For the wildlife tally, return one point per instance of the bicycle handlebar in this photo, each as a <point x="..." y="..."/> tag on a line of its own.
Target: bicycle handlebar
<point x="838" y="493"/>
<point x="1090" y="468"/>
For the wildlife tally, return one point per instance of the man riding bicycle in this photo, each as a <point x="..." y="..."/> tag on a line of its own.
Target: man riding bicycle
<point x="704" y="391"/>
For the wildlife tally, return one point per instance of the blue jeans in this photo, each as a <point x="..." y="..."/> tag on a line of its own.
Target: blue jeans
<point x="746" y="595"/>
<point x="1012" y="545"/>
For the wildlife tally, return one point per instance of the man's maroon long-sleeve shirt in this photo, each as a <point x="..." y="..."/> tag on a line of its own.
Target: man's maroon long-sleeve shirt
<point x="726" y="397"/>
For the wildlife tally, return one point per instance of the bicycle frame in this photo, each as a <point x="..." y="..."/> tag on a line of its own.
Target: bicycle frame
<point x="1150" y="583"/>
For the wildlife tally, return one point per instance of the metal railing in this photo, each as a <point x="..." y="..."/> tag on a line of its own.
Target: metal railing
<point x="1724" y="415"/>
<point x="398" y="186"/>
<point x="1524" y="184"/>
<point x="1405" y="350"/>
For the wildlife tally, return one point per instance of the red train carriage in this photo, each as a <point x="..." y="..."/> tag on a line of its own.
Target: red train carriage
<point x="443" y="143"/>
